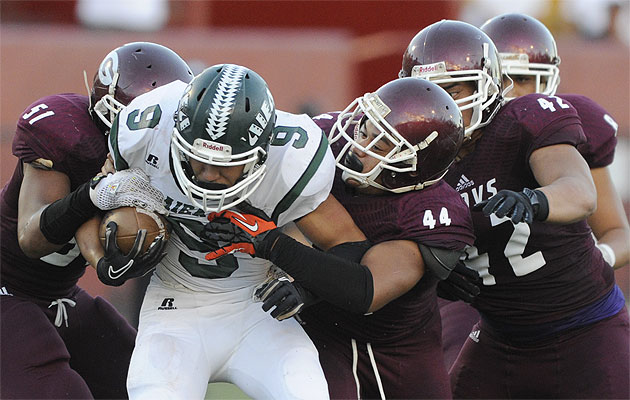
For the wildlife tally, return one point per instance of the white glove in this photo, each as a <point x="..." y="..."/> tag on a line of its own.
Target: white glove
<point x="127" y="188"/>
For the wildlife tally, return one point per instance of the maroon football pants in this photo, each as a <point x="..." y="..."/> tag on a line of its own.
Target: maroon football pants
<point x="410" y="368"/>
<point x="590" y="362"/>
<point x="89" y="358"/>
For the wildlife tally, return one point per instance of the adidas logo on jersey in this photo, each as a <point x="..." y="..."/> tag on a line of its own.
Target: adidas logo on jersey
<point x="474" y="335"/>
<point x="167" y="304"/>
<point x="4" y="292"/>
<point x="464" y="183"/>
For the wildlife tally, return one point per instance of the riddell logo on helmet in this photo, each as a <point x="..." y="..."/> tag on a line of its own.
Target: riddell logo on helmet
<point x="212" y="146"/>
<point x="419" y="70"/>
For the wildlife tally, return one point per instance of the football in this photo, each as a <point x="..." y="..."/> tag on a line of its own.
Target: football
<point x="130" y="220"/>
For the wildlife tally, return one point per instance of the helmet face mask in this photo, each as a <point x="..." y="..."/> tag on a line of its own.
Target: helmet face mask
<point x="449" y="52"/>
<point x="421" y="131"/>
<point x="129" y="71"/>
<point x="225" y="119"/>
<point x="526" y="47"/>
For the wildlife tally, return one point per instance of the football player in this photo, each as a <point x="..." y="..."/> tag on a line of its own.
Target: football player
<point x="214" y="148"/>
<point x="57" y="340"/>
<point x="378" y="332"/>
<point x="530" y="59"/>
<point x="548" y="295"/>
<point x="392" y="148"/>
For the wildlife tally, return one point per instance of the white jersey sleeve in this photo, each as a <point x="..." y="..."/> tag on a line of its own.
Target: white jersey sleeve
<point x="301" y="169"/>
<point x="140" y="136"/>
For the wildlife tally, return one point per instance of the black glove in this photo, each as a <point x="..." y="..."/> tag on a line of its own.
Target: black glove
<point x="525" y="206"/>
<point x="461" y="284"/>
<point x="288" y="297"/>
<point x="115" y="268"/>
<point x="250" y="231"/>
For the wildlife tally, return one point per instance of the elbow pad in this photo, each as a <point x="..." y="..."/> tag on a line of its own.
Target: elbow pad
<point x="439" y="261"/>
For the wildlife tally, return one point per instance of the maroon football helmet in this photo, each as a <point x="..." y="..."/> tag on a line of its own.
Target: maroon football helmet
<point x="526" y="47"/>
<point x="422" y="122"/>
<point x="131" y="70"/>
<point x="454" y="52"/>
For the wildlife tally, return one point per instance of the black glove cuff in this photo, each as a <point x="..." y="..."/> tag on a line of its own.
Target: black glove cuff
<point x="539" y="202"/>
<point x="61" y="219"/>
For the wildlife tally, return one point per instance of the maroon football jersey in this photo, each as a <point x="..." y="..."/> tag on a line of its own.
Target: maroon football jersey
<point x="58" y="131"/>
<point x="435" y="216"/>
<point x="599" y="128"/>
<point x="538" y="273"/>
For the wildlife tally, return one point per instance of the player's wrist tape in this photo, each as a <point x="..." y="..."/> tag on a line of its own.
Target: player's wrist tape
<point x="607" y="253"/>
<point x="539" y="203"/>
<point x="61" y="219"/>
<point x="341" y="282"/>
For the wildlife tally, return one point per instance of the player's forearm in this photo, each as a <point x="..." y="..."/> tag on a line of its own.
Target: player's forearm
<point x="344" y="283"/>
<point x="32" y="241"/>
<point x="89" y="242"/>
<point x="571" y="199"/>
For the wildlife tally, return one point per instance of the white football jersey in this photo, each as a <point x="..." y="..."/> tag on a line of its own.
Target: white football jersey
<point x="300" y="171"/>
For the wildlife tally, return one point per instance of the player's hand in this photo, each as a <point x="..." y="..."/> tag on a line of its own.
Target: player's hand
<point x="461" y="284"/>
<point x="126" y="188"/>
<point x="115" y="268"/>
<point x="525" y="206"/>
<point x="288" y="298"/>
<point x="251" y="232"/>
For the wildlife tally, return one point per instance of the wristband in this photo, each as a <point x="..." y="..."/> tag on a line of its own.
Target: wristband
<point x="607" y="253"/>
<point x="539" y="203"/>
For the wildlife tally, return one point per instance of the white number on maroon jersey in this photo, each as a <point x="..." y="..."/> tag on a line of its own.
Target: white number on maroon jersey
<point x="548" y="105"/>
<point x="36" y="115"/>
<point x="513" y="252"/>
<point x="429" y="220"/>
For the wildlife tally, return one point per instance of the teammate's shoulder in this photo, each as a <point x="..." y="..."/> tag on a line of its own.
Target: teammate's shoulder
<point x="583" y="104"/>
<point x="57" y="115"/>
<point x="536" y="111"/>
<point x="56" y="104"/>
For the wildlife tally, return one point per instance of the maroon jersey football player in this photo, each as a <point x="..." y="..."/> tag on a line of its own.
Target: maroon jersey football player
<point x="548" y="295"/>
<point x="530" y="58"/>
<point x="530" y="62"/>
<point x="392" y="147"/>
<point x="57" y="340"/>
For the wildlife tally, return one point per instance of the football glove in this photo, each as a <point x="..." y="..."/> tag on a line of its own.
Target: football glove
<point x="126" y="188"/>
<point x="115" y="268"/>
<point x="525" y="206"/>
<point x="288" y="298"/>
<point x="250" y="231"/>
<point x="461" y="284"/>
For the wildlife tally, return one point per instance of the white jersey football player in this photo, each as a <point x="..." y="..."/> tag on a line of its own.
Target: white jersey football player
<point x="219" y="144"/>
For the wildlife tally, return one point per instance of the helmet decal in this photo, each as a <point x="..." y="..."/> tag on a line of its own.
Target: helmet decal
<point x="108" y="68"/>
<point x="223" y="102"/>
<point x="262" y="118"/>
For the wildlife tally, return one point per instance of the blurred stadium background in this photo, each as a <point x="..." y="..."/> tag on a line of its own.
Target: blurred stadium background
<point x="317" y="56"/>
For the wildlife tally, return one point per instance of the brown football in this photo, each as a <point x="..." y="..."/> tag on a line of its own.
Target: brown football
<point x="130" y="220"/>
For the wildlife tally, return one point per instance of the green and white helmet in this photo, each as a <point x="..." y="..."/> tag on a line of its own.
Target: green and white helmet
<point x="225" y="118"/>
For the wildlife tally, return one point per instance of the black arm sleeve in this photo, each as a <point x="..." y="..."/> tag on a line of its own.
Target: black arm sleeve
<point x="61" y="219"/>
<point x="344" y="283"/>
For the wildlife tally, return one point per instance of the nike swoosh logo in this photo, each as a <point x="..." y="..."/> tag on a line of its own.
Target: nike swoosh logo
<point x="115" y="274"/>
<point x="252" y="228"/>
